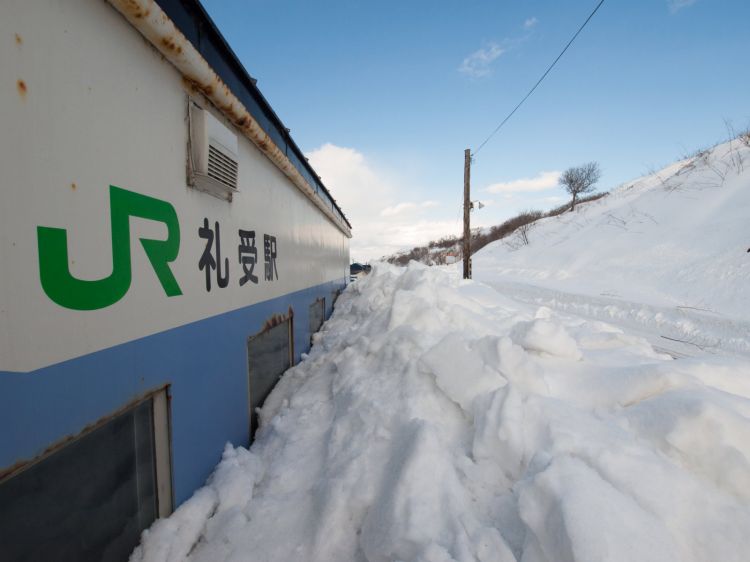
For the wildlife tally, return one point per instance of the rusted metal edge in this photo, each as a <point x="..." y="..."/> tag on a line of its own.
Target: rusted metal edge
<point x="276" y="319"/>
<point x="21" y="465"/>
<point x="154" y="24"/>
<point x="271" y="322"/>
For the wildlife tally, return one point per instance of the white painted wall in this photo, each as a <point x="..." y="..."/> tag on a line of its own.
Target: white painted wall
<point x="103" y="108"/>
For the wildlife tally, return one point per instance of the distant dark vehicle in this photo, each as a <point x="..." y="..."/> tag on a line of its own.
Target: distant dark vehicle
<point x="357" y="270"/>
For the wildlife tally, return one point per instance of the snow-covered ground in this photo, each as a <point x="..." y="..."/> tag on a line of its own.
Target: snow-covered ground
<point x="666" y="254"/>
<point x="544" y="413"/>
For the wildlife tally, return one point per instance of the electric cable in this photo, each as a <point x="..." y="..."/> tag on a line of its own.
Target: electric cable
<point x="504" y="121"/>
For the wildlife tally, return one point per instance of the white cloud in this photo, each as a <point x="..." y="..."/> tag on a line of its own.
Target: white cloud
<point x="541" y="182"/>
<point x="406" y="207"/>
<point x="382" y="223"/>
<point x="478" y="63"/>
<point x="677" y="5"/>
<point x="530" y="22"/>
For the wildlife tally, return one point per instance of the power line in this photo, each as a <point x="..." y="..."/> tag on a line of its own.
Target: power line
<point x="520" y="103"/>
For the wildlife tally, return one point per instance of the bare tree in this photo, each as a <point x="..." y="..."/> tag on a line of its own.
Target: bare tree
<point x="580" y="179"/>
<point x="523" y="233"/>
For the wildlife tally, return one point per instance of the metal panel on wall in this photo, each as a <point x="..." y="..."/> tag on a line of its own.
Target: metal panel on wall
<point x="269" y="354"/>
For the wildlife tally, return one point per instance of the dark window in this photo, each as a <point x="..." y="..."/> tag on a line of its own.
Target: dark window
<point x="269" y="354"/>
<point x="89" y="500"/>
<point x="317" y="316"/>
<point x="334" y="297"/>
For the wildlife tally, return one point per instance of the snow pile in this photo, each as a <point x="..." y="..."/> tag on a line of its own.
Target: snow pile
<point x="437" y="420"/>
<point x="667" y="253"/>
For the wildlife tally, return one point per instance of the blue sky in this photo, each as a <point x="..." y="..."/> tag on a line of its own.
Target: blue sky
<point x="385" y="96"/>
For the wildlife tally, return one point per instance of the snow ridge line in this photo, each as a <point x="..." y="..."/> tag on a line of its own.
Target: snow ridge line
<point x="703" y="329"/>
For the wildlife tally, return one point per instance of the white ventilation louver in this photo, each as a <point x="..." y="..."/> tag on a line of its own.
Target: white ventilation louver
<point x="214" y="164"/>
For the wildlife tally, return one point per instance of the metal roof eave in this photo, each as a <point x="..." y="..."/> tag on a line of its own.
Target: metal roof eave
<point x="191" y="41"/>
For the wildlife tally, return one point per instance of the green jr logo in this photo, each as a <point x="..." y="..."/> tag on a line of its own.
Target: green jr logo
<point x="80" y="294"/>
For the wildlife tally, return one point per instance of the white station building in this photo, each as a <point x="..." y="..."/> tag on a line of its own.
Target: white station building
<point x="166" y="252"/>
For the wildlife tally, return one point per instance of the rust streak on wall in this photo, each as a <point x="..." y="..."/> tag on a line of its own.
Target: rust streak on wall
<point x="149" y="19"/>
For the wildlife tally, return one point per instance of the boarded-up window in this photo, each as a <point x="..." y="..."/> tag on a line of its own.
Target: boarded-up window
<point x="90" y="499"/>
<point x="269" y="354"/>
<point x="317" y="316"/>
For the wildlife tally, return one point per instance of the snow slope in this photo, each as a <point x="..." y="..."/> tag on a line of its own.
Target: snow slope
<point x="437" y="419"/>
<point x="666" y="254"/>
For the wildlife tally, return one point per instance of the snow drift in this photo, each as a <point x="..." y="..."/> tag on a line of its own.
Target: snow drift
<point x="436" y="419"/>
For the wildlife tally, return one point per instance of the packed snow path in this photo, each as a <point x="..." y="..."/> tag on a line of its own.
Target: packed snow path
<point x="436" y="419"/>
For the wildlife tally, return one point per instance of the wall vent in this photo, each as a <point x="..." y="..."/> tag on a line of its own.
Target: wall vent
<point x="214" y="164"/>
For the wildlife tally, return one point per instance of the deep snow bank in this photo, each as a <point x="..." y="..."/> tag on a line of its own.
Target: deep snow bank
<point x="437" y="420"/>
<point x="676" y="240"/>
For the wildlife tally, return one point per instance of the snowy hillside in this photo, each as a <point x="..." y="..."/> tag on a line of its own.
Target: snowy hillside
<point x="674" y="242"/>
<point x="587" y="400"/>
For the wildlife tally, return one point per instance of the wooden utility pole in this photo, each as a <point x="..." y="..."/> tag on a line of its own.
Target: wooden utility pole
<point x="467" y="210"/>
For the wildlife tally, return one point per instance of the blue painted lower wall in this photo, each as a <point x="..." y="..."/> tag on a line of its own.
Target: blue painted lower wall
<point x="205" y="363"/>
